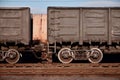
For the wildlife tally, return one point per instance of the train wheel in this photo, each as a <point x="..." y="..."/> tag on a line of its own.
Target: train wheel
<point x="65" y="56"/>
<point x="95" y="56"/>
<point x="12" y="56"/>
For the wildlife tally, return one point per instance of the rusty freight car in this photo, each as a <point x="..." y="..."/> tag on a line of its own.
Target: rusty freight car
<point x="14" y="29"/>
<point x="82" y="33"/>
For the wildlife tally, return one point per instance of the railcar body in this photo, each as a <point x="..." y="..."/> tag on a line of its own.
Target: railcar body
<point x="83" y="32"/>
<point x="15" y="25"/>
<point x="14" y="29"/>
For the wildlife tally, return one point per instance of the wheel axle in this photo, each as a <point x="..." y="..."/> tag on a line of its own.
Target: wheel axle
<point x="65" y="55"/>
<point x="95" y="55"/>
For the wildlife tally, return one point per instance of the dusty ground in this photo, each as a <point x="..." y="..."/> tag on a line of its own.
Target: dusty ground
<point x="60" y="77"/>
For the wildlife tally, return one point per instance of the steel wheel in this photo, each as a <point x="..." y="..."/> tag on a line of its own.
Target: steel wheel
<point x="13" y="56"/>
<point x="65" y="56"/>
<point x="95" y="56"/>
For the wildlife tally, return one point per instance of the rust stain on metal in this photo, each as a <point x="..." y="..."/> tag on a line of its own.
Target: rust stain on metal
<point x="40" y="27"/>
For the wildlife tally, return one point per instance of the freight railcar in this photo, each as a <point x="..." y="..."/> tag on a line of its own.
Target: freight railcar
<point x="83" y="33"/>
<point x="16" y="35"/>
<point x="14" y="30"/>
<point x="73" y="33"/>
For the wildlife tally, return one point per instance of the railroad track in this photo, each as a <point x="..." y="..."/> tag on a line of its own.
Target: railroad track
<point x="58" y="68"/>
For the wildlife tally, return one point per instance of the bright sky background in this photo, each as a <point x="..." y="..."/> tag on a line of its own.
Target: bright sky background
<point x="40" y="6"/>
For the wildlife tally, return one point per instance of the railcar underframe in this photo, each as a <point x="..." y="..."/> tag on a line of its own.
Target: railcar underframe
<point x="82" y="33"/>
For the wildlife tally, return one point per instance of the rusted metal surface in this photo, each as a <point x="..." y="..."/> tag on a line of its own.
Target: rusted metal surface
<point x="40" y="27"/>
<point x="60" y="69"/>
<point x="15" y="24"/>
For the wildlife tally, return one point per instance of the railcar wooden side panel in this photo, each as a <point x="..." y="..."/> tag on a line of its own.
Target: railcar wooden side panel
<point x="15" y="25"/>
<point x="115" y="24"/>
<point x="95" y="25"/>
<point x="82" y="24"/>
<point x="63" y="25"/>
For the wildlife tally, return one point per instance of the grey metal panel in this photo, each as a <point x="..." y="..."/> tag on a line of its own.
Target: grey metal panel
<point x="63" y="25"/>
<point x="92" y="24"/>
<point x="81" y="27"/>
<point x="15" y="24"/>
<point x="50" y="25"/>
<point x="95" y="24"/>
<point x="115" y="24"/>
